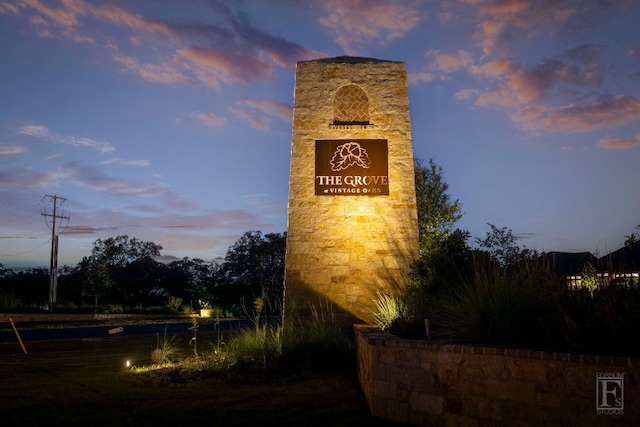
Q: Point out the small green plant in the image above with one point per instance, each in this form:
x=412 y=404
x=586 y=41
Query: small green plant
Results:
x=323 y=330
x=165 y=350
x=258 y=305
x=110 y=309
x=194 y=341
x=174 y=304
x=217 y=313
x=219 y=358
x=205 y=305
x=261 y=344
x=389 y=310
x=589 y=277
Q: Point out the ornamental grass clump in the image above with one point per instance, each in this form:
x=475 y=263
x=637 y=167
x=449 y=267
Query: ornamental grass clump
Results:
x=319 y=342
x=392 y=314
x=490 y=308
x=260 y=344
x=388 y=309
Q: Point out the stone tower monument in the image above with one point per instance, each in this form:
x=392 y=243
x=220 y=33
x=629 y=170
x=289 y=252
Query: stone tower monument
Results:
x=352 y=222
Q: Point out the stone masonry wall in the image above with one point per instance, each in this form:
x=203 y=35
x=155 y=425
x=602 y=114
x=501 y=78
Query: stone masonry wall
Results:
x=421 y=383
x=345 y=249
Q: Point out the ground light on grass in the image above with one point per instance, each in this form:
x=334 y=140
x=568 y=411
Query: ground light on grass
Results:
x=87 y=382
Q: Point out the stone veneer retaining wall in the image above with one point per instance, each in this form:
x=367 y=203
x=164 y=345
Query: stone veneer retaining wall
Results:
x=422 y=383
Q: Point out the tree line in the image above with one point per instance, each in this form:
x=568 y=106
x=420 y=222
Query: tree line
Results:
x=124 y=271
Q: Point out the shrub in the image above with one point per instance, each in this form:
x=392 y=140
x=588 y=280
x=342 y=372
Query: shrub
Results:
x=490 y=308
x=110 y=309
x=603 y=320
x=526 y=304
x=65 y=306
x=174 y=304
x=187 y=309
x=10 y=302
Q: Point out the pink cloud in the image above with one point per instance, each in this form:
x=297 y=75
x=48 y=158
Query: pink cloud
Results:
x=268 y=107
x=66 y=16
x=8 y=7
x=609 y=112
x=619 y=143
x=210 y=119
x=173 y=232
x=354 y=22
x=8 y=150
x=413 y=78
x=215 y=65
x=117 y=160
x=511 y=8
x=501 y=98
x=490 y=33
x=529 y=84
x=158 y=73
x=500 y=23
x=117 y=186
x=256 y=121
x=448 y=63
x=121 y=17
x=38 y=20
x=42 y=132
x=233 y=51
x=508 y=20
x=518 y=84
x=465 y=94
x=26 y=179
x=495 y=68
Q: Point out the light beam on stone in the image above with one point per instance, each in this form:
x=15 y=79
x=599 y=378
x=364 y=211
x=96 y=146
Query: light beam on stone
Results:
x=352 y=224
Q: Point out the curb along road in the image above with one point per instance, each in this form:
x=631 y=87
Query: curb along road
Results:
x=61 y=326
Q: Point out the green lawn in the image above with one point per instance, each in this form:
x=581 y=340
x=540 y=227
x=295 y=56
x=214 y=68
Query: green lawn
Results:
x=85 y=382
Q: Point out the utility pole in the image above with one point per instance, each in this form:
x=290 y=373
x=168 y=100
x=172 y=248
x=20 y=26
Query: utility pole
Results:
x=55 y=230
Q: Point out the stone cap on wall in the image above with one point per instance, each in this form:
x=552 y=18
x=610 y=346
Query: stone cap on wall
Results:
x=349 y=60
x=375 y=336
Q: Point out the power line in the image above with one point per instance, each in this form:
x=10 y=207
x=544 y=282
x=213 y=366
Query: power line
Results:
x=27 y=251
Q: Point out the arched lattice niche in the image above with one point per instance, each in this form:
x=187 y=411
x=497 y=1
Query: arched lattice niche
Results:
x=350 y=106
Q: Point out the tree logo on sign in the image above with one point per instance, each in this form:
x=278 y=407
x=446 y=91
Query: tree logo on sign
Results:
x=350 y=154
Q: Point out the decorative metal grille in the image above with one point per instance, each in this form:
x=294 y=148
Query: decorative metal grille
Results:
x=351 y=105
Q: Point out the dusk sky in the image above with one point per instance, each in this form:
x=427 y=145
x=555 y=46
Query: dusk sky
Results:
x=170 y=121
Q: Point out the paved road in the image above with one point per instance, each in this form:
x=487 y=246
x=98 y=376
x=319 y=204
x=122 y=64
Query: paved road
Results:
x=51 y=334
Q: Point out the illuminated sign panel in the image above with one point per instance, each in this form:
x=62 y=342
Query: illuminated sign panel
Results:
x=352 y=167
